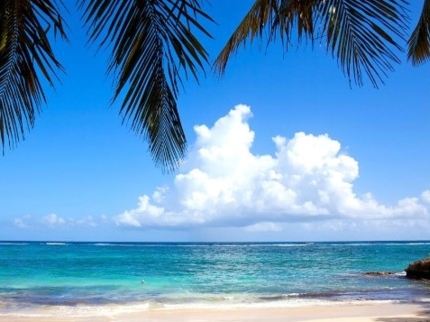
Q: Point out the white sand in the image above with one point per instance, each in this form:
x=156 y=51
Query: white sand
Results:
x=365 y=312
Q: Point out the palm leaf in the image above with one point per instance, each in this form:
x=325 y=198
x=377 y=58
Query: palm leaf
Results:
x=419 y=42
x=25 y=55
x=362 y=34
x=153 y=48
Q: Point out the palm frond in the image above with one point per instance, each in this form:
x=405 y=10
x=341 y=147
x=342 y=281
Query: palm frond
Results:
x=153 y=47
x=362 y=34
x=419 y=42
x=25 y=55
x=269 y=18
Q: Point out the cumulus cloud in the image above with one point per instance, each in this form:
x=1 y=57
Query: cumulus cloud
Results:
x=222 y=183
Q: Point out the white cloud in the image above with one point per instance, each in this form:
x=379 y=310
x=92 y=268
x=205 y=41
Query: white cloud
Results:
x=53 y=220
x=425 y=196
x=222 y=183
x=88 y=221
x=263 y=227
x=22 y=222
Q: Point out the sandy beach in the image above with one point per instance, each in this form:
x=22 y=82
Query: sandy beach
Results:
x=274 y=282
x=366 y=312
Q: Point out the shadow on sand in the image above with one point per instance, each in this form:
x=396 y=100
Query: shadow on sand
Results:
x=422 y=316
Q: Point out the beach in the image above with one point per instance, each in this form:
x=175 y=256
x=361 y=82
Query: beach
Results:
x=340 y=312
x=70 y=281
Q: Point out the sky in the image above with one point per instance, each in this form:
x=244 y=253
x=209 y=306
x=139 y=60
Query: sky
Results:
x=281 y=148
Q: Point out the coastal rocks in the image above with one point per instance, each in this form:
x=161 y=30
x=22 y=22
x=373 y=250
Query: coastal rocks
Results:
x=378 y=273
x=419 y=269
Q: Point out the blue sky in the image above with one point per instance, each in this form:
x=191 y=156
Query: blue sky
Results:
x=280 y=148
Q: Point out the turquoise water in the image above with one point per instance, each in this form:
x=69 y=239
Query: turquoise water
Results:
x=35 y=273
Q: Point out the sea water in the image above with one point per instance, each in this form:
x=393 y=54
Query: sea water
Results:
x=169 y=275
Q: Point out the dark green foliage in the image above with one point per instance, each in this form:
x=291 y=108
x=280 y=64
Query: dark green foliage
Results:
x=154 y=48
x=363 y=35
x=25 y=56
x=152 y=45
x=419 y=42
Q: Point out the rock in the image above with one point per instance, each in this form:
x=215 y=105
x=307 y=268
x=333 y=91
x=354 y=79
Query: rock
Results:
x=378 y=273
x=419 y=269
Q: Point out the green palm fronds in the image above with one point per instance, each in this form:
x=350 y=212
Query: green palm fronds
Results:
x=363 y=35
x=155 y=45
x=25 y=56
x=419 y=42
x=153 y=48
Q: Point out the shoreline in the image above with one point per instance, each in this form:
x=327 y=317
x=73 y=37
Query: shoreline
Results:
x=367 y=311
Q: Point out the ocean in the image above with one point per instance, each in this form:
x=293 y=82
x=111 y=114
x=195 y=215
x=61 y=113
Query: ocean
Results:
x=197 y=275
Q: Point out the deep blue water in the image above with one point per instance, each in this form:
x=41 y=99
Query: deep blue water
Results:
x=35 y=273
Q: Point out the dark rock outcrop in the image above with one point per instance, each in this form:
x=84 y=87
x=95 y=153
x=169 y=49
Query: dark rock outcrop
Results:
x=378 y=273
x=419 y=269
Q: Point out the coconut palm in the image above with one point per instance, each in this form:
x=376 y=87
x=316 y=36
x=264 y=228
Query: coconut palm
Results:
x=154 y=47
x=362 y=35
x=25 y=56
x=419 y=41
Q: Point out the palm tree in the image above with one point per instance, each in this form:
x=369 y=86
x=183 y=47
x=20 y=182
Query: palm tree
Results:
x=362 y=35
x=154 y=48
x=25 y=54
x=419 y=41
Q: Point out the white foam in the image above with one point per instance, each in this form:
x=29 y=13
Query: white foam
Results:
x=82 y=311
x=280 y=245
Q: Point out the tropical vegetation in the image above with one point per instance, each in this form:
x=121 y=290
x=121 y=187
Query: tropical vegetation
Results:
x=156 y=45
